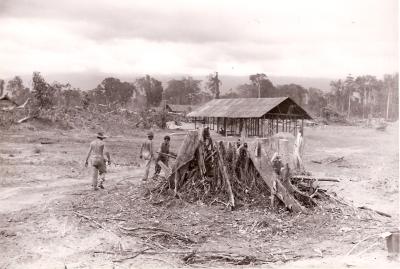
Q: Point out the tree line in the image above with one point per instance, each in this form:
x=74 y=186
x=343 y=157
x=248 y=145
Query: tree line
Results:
x=360 y=96
x=144 y=92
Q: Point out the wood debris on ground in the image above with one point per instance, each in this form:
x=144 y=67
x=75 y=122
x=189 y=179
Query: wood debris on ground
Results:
x=235 y=175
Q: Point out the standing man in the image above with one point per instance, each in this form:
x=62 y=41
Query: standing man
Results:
x=163 y=155
x=146 y=153
x=98 y=161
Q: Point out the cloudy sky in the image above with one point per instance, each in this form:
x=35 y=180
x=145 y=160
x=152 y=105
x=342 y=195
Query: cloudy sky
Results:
x=311 y=38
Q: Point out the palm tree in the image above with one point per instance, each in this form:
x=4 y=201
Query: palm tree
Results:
x=349 y=88
x=337 y=91
x=213 y=84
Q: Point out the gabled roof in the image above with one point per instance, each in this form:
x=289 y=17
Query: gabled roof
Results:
x=182 y=108
x=249 y=108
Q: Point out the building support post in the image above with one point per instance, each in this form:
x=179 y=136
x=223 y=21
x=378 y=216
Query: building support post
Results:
x=225 y=127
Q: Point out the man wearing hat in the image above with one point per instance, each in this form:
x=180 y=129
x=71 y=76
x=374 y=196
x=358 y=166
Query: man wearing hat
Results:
x=98 y=160
x=146 y=153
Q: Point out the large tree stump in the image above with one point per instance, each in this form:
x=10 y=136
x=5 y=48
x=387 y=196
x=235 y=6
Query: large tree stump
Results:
x=266 y=171
x=185 y=155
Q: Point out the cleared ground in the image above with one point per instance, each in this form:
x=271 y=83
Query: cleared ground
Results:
x=50 y=218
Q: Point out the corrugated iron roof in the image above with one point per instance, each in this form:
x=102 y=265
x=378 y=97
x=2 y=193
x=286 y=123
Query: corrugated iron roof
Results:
x=240 y=107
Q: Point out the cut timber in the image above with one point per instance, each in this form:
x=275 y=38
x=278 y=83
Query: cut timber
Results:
x=224 y=174
x=376 y=211
x=319 y=162
x=304 y=177
x=165 y=168
x=336 y=160
x=264 y=168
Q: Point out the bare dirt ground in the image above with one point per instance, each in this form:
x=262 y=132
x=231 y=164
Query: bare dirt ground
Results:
x=50 y=218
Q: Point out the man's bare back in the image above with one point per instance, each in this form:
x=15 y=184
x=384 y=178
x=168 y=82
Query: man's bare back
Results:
x=97 y=148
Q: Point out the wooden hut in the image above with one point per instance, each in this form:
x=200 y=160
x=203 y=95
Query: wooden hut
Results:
x=260 y=117
x=180 y=109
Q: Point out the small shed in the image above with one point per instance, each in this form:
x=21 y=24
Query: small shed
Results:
x=255 y=116
x=180 y=109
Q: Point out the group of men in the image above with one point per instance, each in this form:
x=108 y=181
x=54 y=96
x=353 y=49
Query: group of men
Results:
x=147 y=153
x=98 y=161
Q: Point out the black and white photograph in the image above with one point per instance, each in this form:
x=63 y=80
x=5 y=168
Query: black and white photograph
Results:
x=199 y=134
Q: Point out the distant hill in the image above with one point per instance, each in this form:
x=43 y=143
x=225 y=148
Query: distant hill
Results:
x=90 y=80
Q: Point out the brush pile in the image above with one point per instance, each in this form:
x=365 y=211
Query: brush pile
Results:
x=235 y=175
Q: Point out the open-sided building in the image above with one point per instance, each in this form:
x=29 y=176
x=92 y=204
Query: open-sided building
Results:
x=255 y=116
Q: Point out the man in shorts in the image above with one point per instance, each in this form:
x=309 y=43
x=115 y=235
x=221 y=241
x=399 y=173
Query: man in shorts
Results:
x=146 y=153
x=98 y=161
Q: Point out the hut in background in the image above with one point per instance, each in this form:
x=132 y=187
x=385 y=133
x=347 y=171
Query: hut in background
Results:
x=261 y=117
x=180 y=109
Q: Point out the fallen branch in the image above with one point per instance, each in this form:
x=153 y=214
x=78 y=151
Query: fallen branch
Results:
x=304 y=177
x=314 y=193
x=181 y=237
x=128 y=229
x=89 y=218
x=237 y=259
x=376 y=211
x=319 y=162
x=104 y=252
x=133 y=256
x=24 y=119
x=24 y=104
x=117 y=219
x=336 y=160
x=218 y=201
